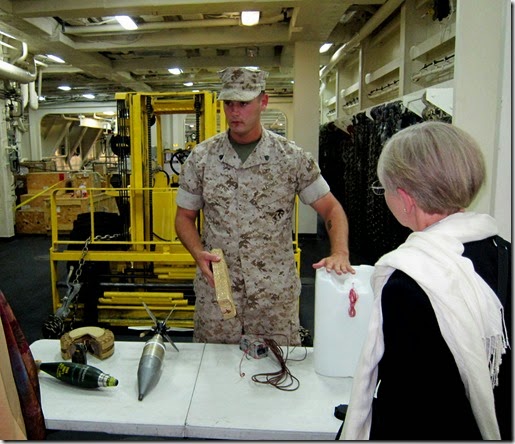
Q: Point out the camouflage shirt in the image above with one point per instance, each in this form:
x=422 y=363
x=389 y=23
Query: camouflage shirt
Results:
x=248 y=211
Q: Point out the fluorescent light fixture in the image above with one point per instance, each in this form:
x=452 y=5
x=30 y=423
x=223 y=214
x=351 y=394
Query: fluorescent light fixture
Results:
x=249 y=18
x=325 y=47
x=64 y=88
x=188 y=83
x=88 y=96
x=126 y=22
x=55 y=58
x=175 y=71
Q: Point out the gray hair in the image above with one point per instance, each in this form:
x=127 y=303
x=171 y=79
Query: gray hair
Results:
x=438 y=164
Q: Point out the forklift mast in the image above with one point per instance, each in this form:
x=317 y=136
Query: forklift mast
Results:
x=136 y=114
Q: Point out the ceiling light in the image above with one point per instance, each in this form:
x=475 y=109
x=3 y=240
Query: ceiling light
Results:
x=55 y=58
x=64 y=88
x=88 y=96
x=175 y=71
x=250 y=18
x=325 y=47
x=188 y=83
x=126 y=22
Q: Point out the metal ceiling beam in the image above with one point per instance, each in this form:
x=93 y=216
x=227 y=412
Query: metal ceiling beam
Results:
x=163 y=26
x=161 y=63
x=97 y=8
x=190 y=38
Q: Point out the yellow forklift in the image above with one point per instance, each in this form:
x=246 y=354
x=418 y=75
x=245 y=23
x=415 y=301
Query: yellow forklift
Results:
x=113 y=261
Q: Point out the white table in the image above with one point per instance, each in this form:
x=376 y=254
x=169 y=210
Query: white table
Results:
x=162 y=412
x=200 y=394
x=228 y=406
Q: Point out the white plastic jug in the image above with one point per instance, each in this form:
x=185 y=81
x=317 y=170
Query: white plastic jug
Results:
x=341 y=324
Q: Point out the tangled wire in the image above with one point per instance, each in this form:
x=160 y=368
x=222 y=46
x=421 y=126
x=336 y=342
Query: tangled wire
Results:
x=281 y=379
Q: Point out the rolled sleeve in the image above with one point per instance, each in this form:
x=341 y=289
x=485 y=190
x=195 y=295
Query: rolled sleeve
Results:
x=189 y=200
x=319 y=188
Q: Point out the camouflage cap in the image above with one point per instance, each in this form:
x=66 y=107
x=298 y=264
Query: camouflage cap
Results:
x=241 y=84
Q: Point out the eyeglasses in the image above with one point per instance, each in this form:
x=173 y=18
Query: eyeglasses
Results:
x=377 y=188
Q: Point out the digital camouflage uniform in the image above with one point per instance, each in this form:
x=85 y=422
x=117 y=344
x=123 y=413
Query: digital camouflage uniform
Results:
x=248 y=214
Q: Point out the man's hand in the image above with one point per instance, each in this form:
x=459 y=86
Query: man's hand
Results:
x=337 y=228
x=204 y=260
x=338 y=262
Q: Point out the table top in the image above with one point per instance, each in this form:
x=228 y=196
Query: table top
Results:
x=162 y=412
x=228 y=406
x=200 y=394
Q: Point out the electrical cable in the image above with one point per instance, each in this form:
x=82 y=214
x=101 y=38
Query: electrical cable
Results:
x=281 y=379
x=178 y=158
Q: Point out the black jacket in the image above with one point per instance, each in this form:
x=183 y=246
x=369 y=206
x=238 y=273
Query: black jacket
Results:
x=421 y=395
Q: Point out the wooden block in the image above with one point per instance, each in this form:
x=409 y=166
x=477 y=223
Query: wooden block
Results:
x=223 y=286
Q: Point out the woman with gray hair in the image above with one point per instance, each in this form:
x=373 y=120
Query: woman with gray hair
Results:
x=430 y=367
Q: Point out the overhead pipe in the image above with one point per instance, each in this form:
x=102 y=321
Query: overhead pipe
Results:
x=33 y=96
x=379 y=17
x=40 y=82
x=24 y=88
x=42 y=66
x=24 y=53
x=11 y=72
x=208 y=23
x=70 y=118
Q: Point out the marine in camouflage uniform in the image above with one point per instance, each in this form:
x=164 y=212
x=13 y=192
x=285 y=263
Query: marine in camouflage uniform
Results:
x=245 y=181
x=248 y=212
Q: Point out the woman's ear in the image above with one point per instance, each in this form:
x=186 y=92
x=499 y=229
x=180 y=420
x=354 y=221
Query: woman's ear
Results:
x=407 y=200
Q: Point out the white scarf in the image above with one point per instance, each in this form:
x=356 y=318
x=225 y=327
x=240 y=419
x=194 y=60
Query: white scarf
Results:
x=468 y=312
